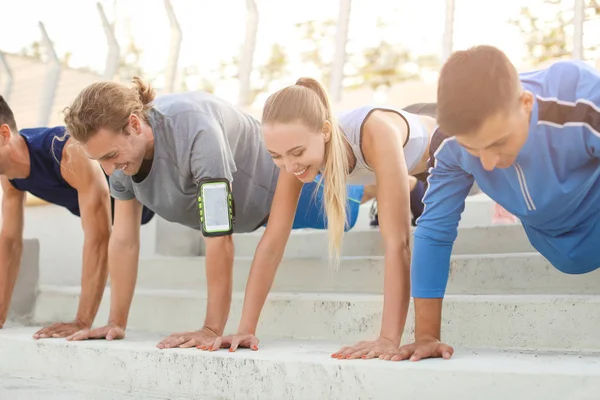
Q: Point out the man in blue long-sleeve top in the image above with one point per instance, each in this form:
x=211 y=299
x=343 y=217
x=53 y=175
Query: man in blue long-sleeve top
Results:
x=531 y=142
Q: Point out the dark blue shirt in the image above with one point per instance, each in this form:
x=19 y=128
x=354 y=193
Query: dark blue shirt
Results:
x=45 y=180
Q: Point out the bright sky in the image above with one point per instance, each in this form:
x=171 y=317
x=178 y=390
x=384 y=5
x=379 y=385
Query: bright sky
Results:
x=214 y=30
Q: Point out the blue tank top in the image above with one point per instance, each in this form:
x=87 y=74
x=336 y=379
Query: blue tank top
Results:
x=45 y=180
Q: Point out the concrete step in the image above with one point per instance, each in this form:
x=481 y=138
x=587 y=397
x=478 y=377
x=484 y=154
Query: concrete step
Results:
x=24 y=295
x=177 y=240
x=313 y=243
x=475 y=274
x=556 y=322
x=62 y=388
x=296 y=370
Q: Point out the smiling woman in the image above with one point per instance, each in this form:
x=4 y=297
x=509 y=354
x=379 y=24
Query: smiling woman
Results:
x=293 y=116
x=375 y=146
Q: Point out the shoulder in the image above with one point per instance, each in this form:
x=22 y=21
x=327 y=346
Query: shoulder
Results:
x=566 y=80
x=43 y=136
x=189 y=114
x=199 y=105
x=450 y=152
x=383 y=122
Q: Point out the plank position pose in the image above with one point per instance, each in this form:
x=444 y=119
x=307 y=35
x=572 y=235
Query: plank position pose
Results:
x=368 y=145
x=531 y=141
x=166 y=153
x=42 y=162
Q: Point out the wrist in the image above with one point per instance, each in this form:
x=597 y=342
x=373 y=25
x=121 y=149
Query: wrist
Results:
x=83 y=322
x=426 y=337
x=116 y=323
x=243 y=330
x=395 y=339
x=212 y=329
x=247 y=327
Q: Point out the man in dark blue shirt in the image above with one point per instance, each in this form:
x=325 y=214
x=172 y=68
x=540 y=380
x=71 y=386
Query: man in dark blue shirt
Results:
x=43 y=162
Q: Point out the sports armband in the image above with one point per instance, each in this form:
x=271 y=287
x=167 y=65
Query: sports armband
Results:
x=216 y=207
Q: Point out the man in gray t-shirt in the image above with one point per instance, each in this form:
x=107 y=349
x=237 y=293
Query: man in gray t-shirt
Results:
x=156 y=151
x=197 y=135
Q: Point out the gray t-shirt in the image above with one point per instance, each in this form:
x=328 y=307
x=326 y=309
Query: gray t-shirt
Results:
x=197 y=135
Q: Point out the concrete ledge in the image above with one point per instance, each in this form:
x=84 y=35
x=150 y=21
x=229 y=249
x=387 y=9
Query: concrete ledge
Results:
x=24 y=296
x=296 y=370
x=178 y=240
x=27 y=388
x=534 y=322
x=528 y=273
x=309 y=243
x=368 y=242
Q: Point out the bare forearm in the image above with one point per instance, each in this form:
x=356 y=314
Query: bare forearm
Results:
x=93 y=279
x=123 y=268
x=396 y=293
x=219 y=274
x=428 y=319
x=262 y=274
x=10 y=260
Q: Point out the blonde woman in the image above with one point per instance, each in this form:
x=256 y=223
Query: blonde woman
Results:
x=367 y=146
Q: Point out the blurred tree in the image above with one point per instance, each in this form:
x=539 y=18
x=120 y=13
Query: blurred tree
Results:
x=273 y=70
x=229 y=69
x=385 y=65
x=33 y=50
x=129 y=64
x=318 y=42
x=192 y=79
x=379 y=66
x=37 y=51
x=547 y=29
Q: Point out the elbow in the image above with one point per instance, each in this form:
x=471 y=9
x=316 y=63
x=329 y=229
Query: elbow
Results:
x=399 y=251
x=272 y=246
x=400 y=246
x=12 y=243
x=119 y=243
x=220 y=244
x=98 y=236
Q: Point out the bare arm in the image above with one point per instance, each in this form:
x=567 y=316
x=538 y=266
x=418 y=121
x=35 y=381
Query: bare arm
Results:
x=11 y=243
x=270 y=250
x=219 y=275
x=87 y=177
x=383 y=139
x=123 y=253
x=123 y=258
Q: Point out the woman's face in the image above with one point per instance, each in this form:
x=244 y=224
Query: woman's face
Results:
x=296 y=148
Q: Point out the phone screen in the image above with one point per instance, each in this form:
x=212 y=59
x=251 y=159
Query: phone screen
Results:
x=216 y=207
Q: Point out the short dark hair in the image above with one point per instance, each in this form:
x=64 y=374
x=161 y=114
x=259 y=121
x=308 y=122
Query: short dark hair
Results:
x=6 y=115
x=475 y=84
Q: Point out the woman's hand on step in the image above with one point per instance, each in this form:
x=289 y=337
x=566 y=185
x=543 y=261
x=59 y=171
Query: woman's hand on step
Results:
x=247 y=340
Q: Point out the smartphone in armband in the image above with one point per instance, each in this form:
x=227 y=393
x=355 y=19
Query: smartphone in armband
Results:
x=216 y=207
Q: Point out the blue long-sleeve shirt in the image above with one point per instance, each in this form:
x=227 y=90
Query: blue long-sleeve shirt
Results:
x=553 y=187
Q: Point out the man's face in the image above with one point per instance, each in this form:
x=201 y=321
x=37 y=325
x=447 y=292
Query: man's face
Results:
x=118 y=150
x=499 y=140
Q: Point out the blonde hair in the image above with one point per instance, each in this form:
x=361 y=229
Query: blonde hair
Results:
x=107 y=105
x=306 y=102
